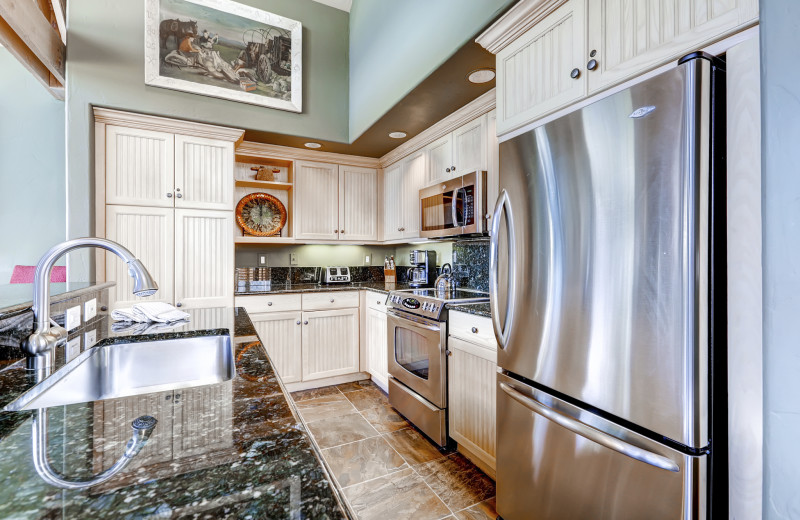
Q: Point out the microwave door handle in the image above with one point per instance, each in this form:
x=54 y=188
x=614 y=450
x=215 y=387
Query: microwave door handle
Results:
x=588 y=432
x=453 y=208
x=503 y=331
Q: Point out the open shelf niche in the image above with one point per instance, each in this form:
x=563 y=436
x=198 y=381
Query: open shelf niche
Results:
x=280 y=188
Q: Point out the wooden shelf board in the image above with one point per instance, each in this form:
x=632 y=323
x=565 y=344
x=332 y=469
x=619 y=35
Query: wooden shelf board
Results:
x=265 y=185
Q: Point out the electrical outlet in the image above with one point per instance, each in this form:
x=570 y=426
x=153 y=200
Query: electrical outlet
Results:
x=262 y=260
x=292 y=258
x=73 y=319
x=368 y=260
x=90 y=338
x=90 y=309
x=73 y=348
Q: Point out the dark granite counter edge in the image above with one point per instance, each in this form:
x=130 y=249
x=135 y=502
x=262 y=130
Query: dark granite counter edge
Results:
x=477 y=309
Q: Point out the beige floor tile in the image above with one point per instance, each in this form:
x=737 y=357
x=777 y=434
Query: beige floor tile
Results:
x=368 y=398
x=486 y=510
x=458 y=482
x=397 y=496
x=335 y=431
x=305 y=395
x=363 y=460
x=385 y=419
x=324 y=407
x=358 y=385
x=413 y=446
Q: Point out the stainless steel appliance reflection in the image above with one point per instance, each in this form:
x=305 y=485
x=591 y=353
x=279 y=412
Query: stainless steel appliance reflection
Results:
x=604 y=407
x=454 y=207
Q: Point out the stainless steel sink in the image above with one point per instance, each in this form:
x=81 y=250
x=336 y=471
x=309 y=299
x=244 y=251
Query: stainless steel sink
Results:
x=125 y=369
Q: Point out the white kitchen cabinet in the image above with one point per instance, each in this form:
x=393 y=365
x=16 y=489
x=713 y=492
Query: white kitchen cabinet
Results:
x=472 y=393
x=149 y=232
x=358 y=203
x=377 y=346
x=281 y=334
x=316 y=201
x=204 y=258
x=413 y=180
x=140 y=167
x=544 y=69
x=203 y=173
x=630 y=38
x=492 y=164
x=393 y=201
x=330 y=343
x=469 y=147
x=440 y=159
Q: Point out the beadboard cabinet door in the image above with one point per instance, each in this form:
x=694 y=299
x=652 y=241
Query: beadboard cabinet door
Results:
x=148 y=232
x=203 y=173
x=140 y=167
x=393 y=201
x=544 y=69
x=316 y=201
x=330 y=343
x=492 y=165
x=358 y=203
x=631 y=37
x=377 y=347
x=281 y=334
x=469 y=147
x=414 y=167
x=440 y=160
x=203 y=258
x=472 y=398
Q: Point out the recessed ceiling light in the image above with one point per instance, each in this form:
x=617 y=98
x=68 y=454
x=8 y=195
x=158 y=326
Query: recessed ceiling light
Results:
x=397 y=135
x=481 y=76
x=313 y=145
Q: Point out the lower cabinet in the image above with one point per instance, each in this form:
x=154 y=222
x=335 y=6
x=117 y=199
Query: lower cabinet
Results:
x=330 y=343
x=472 y=372
x=377 y=347
x=281 y=334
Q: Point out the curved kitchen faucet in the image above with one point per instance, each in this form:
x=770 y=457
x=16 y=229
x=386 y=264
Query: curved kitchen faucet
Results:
x=142 y=428
x=46 y=335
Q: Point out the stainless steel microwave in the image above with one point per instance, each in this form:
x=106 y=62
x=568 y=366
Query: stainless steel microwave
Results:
x=454 y=207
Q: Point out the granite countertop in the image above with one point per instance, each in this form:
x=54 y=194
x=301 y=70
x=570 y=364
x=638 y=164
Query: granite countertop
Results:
x=285 y=288
x=236 y=449
x=478 y=309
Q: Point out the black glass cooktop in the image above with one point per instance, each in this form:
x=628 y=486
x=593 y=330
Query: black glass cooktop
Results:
x=459 y=294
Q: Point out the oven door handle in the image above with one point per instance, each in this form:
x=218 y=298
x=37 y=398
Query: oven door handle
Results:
x=415 y=323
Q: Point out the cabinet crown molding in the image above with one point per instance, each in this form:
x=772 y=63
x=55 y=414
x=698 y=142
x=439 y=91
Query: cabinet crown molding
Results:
x=274 y=151
x=163 y=124
x=515 y=23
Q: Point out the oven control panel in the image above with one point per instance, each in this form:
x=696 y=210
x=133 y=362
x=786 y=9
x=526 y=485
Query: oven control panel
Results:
x=416 y=305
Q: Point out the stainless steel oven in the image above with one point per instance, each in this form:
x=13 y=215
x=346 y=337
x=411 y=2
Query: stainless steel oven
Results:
x=454 y=207
x=418 y=370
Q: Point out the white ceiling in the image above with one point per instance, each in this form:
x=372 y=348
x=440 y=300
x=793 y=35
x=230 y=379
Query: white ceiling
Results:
x=344 y=5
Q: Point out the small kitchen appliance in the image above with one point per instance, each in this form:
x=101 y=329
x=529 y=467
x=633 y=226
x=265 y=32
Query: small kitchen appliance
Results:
x=335 y=275
x=454 y=207
x=423 y=270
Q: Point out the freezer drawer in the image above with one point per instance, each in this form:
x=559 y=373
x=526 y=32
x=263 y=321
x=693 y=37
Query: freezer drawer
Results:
x=556 y=461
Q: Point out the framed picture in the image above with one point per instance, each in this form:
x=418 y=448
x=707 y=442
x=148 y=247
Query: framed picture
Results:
x=224 y=49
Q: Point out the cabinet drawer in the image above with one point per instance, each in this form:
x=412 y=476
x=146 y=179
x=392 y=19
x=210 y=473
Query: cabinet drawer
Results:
x=329 y=300
x=476 y=329
x=269 y=303
x=376 y=300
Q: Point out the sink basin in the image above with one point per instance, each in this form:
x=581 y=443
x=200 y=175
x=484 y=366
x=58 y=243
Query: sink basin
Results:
x=125 y=369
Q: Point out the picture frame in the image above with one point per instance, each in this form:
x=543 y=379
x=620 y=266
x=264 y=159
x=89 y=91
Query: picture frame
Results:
x=224 y=49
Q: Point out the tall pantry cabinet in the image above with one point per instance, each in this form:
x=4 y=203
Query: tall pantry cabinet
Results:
x=164 y=190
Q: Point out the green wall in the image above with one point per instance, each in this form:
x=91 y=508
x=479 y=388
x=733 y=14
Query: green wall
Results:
x=322 y=255
x=105 y=67
x=394 y=45
x=32 y=179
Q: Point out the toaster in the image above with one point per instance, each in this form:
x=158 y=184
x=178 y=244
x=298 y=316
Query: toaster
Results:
x=335 y=275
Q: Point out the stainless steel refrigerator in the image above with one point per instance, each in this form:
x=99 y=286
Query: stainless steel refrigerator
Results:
x=607 y=292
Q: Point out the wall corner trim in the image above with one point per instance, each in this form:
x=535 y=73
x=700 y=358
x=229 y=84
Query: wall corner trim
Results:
x=162 y=124
x=515 y=23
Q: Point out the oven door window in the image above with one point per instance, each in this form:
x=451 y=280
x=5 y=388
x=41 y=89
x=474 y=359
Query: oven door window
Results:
x=412 y=351
x=437 y=212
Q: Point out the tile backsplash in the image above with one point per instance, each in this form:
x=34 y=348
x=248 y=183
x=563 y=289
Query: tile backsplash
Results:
x=471 y=263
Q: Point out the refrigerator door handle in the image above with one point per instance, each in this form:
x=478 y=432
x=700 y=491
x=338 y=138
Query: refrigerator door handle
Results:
x=502 y=331
x=593 y=434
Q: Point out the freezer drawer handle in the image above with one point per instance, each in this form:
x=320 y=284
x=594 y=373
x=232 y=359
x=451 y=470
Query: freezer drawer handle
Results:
x=502 y=331
x=593 y=434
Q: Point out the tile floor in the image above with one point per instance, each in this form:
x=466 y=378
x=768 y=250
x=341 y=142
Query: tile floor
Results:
x=389 y=470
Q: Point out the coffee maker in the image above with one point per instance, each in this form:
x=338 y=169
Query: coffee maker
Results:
x=423 y=268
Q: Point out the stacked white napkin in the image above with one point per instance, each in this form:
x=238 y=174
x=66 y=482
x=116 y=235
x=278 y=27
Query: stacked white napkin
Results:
x=146 y=312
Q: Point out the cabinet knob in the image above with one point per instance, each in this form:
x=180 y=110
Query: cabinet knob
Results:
x=179 y=304
x=592 y=65
x=593 y=53
x=331 y=300
x=488 y=216
x=336 y=231
x=575 y=73
x=305 y=322
x=453 y=168
x=269 y=304
x=169 y=195
x=179 y=196
x=341 y=231
x=177 y=189
x=447 y=170
x=474 y=330
x=449 y=353
x=298 y=322
x=378 y=302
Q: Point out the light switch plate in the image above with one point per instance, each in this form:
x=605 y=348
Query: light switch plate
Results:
x=367 y=259
x=292 y=258
x=73 y=348
x=90 y=309
x=90 y=338
x=262 y=260
x=73 y=319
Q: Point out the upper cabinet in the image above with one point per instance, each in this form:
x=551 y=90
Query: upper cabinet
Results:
x=440 y=159
x=553 y=53
x=462 y=151
x=335 y=202
x=203 y=173
x=393 y=201
x=401 y=184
